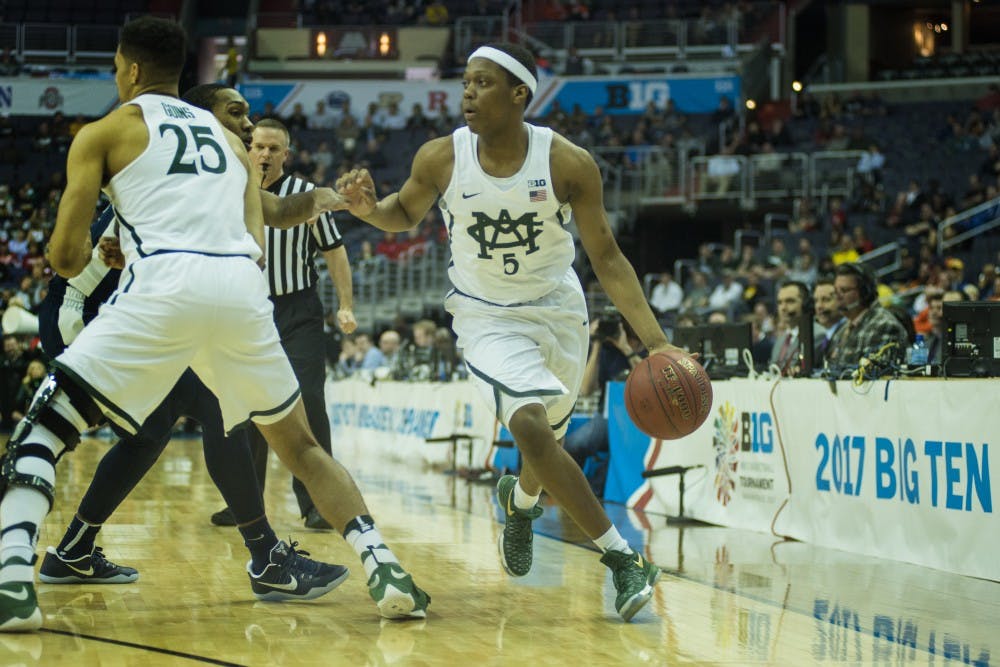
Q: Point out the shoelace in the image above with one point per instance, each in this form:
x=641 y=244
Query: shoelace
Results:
x=99 y=562
x=298 y=558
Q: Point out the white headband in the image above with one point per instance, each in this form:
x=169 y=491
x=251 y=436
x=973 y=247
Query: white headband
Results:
x=508 y=63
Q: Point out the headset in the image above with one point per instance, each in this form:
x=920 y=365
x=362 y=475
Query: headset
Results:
x=865 y=279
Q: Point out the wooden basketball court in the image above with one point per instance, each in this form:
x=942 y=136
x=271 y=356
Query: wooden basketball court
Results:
x=728 y=597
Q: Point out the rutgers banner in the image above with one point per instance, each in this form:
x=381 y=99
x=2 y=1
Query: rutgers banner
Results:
x=906 y=473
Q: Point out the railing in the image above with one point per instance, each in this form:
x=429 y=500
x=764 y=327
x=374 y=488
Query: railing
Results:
x=382 y=288
x=779 y=175
x=831 y=173
x=718 y=177
x=472 y=31
x=890 y=253
x=55 y=40
x=968 y=224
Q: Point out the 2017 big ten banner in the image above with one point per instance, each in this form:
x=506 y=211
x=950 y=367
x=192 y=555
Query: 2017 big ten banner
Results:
x=358 y=94
x=631 y=95
x=904 y=474
x=738 y=478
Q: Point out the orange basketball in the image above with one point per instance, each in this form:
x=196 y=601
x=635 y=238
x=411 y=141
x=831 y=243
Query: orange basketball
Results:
x=668 y=395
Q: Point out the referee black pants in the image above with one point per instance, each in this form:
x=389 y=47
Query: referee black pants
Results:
x=299 y=318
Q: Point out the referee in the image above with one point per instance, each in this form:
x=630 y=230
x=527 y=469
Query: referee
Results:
x=298 y=312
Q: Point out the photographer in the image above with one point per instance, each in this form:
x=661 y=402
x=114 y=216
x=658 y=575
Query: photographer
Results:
x=613 y=354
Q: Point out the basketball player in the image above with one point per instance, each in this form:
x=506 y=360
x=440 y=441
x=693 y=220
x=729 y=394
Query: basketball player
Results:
x=506 y=192
x=67 y=307
x=298 y=312
x=192 y=295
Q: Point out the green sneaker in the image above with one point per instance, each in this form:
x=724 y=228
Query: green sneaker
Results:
x=19 y=610
x=395 y=593
x=515 y=541
x=634 y=578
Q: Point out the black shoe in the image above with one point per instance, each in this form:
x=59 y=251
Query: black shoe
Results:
x=317 y=522
x=93 y=568
x=223 y=517
x=292 y=576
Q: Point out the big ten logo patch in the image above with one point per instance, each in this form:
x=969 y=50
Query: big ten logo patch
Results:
x=757 y=432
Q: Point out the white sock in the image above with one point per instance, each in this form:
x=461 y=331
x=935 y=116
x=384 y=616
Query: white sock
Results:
x=521 y=498
x=368 y=544
x=612 y=541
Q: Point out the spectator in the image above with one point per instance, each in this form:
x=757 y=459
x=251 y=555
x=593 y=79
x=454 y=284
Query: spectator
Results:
x=575 y=64
x=348 y=133
x=32 y=380
x=390 y=246
x=726 y=294
x=667 y=295
x=297 y=120
x=13 y=368
x=720 y=172
x=844 y=252
x=419 y=357
x=322 y=118
x=385 y=355
x=870 y=165
x=862 y=243
x=435 y=14
x=786 y=353
x=417 y=120
x=935 y=334
x=869 y=327
x=390 y=117
x=828 y=317
x=698 y=293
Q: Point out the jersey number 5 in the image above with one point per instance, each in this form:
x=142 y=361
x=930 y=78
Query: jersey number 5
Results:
x=203 y=137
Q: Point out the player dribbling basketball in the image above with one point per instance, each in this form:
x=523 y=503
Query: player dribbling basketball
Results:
x=506 y=191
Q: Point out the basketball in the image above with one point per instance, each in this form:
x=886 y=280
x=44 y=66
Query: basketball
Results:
x=668 y=395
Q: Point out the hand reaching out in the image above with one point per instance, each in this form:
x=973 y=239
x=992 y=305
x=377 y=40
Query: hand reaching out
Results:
x=358 y=188
x=328 y=199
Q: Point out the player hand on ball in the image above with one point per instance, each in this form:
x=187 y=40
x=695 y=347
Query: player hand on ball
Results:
x=667 y=347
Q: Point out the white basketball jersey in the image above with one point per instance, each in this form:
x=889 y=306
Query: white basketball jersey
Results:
x=509 y=238
x=184 y=193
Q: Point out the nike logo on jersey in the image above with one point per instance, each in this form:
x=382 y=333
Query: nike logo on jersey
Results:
x=466 y=195
x=290 y=586
x=20 y=596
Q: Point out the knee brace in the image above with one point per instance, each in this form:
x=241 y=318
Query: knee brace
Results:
x=63 y=409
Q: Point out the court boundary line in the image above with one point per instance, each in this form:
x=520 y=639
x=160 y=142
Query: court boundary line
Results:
x=144 y=647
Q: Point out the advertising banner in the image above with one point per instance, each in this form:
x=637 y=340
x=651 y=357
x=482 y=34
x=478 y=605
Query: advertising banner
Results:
x=615 y=95
x=43 y=97
x=630 y=95
x=903 y=473
x=739 y=479
x=394 y=419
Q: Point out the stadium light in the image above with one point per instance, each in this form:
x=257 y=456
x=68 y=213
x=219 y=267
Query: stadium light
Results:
x=751 y=105
x=384 y=44
x=321 y=44
x=797 y=86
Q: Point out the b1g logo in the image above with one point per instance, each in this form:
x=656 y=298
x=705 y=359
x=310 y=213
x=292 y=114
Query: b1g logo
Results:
x=637 y=94
x=536 y=183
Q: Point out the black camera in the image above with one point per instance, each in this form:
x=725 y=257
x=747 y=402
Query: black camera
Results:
x=609 y=325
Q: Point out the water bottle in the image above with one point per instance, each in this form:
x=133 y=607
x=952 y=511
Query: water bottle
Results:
x=918 y=355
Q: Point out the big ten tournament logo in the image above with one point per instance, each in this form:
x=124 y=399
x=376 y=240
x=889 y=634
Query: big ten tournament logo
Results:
x=635 y=95
x=950 y=473
x=50 y=99
x=739 y=439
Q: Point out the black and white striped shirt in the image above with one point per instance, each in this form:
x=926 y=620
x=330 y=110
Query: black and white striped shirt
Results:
x=291 y=253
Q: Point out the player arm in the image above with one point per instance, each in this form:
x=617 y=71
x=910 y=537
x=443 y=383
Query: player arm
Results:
x=610 y=266
x=292 y=210
x=253 y=213
x=405 y=209
x=69 y=249
x=339 y=267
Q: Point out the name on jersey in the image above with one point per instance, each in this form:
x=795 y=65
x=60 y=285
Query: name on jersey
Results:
x=175 y=111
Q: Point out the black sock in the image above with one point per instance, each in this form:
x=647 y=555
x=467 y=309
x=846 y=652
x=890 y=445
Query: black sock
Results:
x=259 y=539
x=78 y=540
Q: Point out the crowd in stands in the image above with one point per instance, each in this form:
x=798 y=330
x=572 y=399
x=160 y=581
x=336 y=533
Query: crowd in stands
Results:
x=903 y=199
